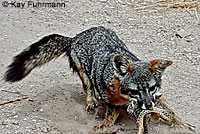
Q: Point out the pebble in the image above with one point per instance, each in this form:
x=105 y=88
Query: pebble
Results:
x=44 y=129
x=38 y=35
x=182 y=33
x=76 y=118
x=15 y=122
x=41 y=110
x=16 y=116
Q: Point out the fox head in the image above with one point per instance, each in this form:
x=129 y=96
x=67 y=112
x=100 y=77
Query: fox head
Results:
x=139 y=79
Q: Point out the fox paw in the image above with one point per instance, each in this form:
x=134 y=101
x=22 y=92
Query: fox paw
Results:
x=101 y=126
x=104 y=124
x=91 y=104
x=105 y=130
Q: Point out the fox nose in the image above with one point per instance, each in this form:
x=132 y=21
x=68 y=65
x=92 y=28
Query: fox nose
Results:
x=148 y=105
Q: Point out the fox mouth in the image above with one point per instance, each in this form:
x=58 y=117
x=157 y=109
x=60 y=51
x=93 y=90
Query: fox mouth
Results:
x=134 y=107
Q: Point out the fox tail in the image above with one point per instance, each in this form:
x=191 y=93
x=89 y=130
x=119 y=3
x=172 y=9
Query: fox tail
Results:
x=39 y=53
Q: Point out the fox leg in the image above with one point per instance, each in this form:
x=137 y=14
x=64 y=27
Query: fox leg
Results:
x=91 y=101
x=163 y=102
x=110 y=117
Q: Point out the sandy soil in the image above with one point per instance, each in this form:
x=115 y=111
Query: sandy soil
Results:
x=56 y=104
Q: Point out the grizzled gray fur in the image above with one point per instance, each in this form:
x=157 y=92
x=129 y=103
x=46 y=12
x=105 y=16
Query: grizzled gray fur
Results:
x=103 y=63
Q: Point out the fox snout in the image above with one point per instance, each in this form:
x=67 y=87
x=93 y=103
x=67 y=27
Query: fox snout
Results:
x=148 y=105
x=146 y=100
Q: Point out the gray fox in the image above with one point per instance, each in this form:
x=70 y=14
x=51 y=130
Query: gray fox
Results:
x=104 y=65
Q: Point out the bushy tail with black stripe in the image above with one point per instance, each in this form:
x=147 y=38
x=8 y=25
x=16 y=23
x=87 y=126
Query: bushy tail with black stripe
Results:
x=37 y=54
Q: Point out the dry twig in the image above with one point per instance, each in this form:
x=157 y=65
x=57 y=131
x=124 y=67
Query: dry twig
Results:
x=12 y=101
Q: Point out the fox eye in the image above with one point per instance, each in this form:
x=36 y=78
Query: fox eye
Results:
x=152 y=88
x=134 y=92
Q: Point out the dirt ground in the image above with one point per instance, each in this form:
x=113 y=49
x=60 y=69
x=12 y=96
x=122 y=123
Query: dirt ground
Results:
x=56 y=105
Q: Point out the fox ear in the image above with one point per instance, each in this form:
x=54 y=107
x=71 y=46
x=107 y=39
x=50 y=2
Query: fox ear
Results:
x=158 y=66
x=122 y=65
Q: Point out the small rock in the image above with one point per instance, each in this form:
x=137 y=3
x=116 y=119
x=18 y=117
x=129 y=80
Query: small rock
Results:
x=15 y=122
x=38 y=35
x=183 y=33
x=86 y=20
x=44 y=129
x=41 y=110
x=76 y=118
x=16 y=116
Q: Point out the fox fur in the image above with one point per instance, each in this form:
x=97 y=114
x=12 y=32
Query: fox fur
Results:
x=104 y=65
